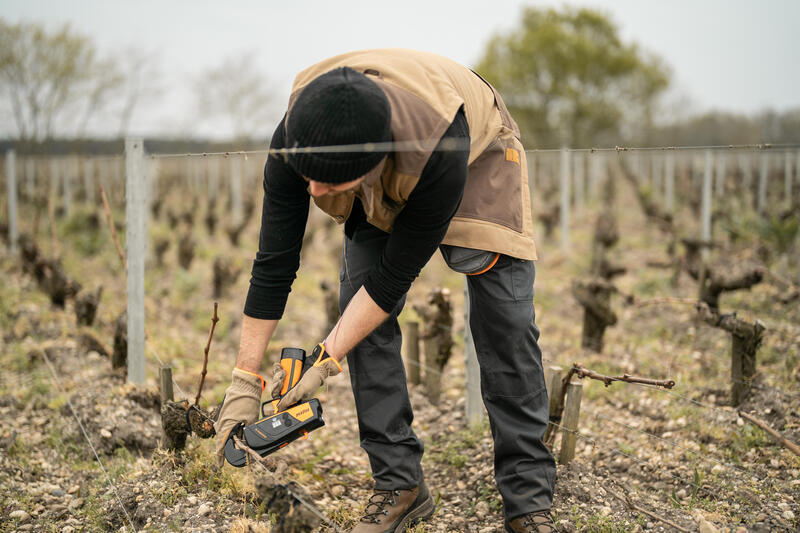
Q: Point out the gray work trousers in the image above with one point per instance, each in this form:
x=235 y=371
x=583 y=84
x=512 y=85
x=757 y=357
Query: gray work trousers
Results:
x=512 y=381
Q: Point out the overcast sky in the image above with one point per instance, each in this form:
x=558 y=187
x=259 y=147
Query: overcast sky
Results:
x=733 y=55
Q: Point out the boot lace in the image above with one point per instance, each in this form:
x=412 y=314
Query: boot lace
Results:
x=539 y=522
x=376 y=506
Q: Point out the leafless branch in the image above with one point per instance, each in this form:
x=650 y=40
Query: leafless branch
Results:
x=214 y=321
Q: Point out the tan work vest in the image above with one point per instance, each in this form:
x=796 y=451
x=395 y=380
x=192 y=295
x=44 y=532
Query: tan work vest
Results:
x=425 y=91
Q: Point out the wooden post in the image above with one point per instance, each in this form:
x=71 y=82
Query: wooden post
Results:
x=554 y=395
x=705 y=216
x=135 y=213
x=11 y=190
x=236 y=189
x=411 y=343
x=762 y=182
x=572 y=411
x=565 y=198
x=474 y=402
x=669 y=183
x=165 y=384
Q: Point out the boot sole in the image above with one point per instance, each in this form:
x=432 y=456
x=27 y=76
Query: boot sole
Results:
x=423 y=512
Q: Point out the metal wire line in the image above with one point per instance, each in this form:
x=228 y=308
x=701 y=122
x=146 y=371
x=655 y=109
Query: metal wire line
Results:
x=446 y=145
x=86 y=436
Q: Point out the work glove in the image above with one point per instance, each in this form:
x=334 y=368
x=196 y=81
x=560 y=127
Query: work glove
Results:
x=324 y=367
x=241 y=404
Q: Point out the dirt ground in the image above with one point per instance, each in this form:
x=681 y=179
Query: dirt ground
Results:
x=647 y=459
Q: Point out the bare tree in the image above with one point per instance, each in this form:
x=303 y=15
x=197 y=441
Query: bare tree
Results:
x=141 y=83
x=52 y=80
x=236 y=92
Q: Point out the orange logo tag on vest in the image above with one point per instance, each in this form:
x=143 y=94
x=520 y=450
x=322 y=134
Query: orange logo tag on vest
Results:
x=512 y=155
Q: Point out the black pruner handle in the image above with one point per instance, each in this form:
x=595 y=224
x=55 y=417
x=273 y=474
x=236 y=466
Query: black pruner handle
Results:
x=234 y=455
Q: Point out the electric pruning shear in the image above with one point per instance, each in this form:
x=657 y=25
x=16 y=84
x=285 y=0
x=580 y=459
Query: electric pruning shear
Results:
x=274 y=431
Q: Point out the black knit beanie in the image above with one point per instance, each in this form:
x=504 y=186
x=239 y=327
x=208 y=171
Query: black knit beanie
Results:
x=340 y=107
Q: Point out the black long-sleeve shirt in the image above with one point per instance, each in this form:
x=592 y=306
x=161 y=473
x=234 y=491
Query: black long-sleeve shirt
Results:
x=418 y=229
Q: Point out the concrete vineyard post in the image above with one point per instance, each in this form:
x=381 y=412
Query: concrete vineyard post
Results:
x=532 y=160
x=565 y=197
x=88 y=180
x=66 y=176
x=762 y=182
x=411 y=344
x=787 y=178
x=706 y=204
x=212 y=168
x=719 y=181
x=669 y=183
x=554 y=395
x=30 y=178
x=572 y=411
x=54 y=179
x=11 y=190
x=578 y=178
x=236 y=189
x=135 y=213
x=474 y=403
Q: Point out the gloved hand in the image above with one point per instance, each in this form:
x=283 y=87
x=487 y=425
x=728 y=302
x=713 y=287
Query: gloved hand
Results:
x=241 y=404
x=324 y=367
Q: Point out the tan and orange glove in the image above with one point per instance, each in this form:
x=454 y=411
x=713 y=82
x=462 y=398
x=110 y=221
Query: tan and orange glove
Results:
x=325 y=367
x=241 y=404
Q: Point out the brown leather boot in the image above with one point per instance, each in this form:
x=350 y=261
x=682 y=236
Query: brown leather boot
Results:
x=538 y=522
x=391 y=511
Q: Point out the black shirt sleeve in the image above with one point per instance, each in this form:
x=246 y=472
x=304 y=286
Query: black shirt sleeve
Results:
x=422 y=224
x=283 y=222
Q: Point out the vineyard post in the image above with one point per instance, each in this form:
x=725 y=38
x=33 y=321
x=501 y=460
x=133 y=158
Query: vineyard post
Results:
x=474 y=403
x=236 y=189
x=54 y=179
x=746 y=163
x=578 y=178
x=66 y=176
x=411 y=343
x=554 y=396
x=706 y=205
x=212 y=169
x=30 y=178
x=762 y=182
x=787 y=178
x=165 y=384
x=135 y=213
x=669 y=183
x=88 y=180
x=565 y=196
x=657 y=166
x=719 y=182
x=11 y=190
x=572 y=411
x=532 y=159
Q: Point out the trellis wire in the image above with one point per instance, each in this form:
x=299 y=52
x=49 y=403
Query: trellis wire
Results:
x=88 y=440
